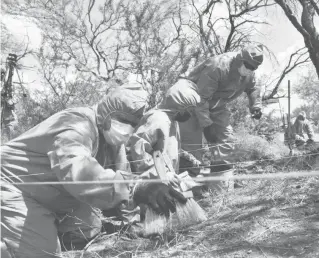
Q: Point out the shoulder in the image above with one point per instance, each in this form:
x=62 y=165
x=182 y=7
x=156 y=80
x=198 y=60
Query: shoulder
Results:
x=81 y=119
x=157 y=117
x=221 y=63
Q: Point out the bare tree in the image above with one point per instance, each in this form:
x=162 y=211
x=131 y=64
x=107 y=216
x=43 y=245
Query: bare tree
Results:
x=224 y=34
x=306 y=26
x=10 y=44
x=157 y=43
x=103 y=40
x=296 y=59
x=81 y=33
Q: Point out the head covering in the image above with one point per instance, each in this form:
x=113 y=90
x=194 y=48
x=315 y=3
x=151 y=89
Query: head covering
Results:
x=181 y=95
x=302 y=114
x=125 y=103
x=253 y=55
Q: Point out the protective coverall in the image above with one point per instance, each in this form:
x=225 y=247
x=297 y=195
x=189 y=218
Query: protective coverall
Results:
x=301 y=127
x=159 y=129
x=219 y=81
x=67 y=147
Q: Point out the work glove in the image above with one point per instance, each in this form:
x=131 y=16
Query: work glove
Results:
x=160 y=143
x=310 y=141
x=256 y=113
x=173 y=179
x=159 y=197
x=209 y=136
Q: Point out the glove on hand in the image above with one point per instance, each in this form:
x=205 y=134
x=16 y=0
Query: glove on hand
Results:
x=256 y=113
x=159 y=145
x=173 y=179
x=310 y=141
x=159 y=197
x=209 y=136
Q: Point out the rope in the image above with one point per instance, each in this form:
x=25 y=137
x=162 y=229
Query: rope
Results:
x=235 y=163
x=281 y=175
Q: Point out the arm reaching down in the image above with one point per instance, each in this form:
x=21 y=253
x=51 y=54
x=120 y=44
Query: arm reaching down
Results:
x=72 y=161
x=151 y=135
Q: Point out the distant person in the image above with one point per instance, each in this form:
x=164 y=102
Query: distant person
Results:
x=301 y=127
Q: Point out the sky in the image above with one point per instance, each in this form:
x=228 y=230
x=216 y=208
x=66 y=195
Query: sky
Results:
x=280 y=37
x=283 y=39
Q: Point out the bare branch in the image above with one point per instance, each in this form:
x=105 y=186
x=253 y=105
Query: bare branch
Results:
x=210 y=6
x=301 y=59
x=315 y=6
x=292 y=18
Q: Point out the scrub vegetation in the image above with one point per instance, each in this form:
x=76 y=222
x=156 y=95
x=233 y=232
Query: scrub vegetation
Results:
x=262 y=218
x=90 y=46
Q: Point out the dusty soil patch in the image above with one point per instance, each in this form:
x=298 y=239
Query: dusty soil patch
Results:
x=263 y=219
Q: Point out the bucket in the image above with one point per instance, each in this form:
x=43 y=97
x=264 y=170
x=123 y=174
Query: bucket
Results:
x=220 y=185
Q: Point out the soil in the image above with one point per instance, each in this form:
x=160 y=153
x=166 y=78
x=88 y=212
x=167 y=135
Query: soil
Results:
x=260 y=219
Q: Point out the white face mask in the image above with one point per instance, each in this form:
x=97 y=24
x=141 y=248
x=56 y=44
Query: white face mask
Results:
x=243 y=71
x=118 y=134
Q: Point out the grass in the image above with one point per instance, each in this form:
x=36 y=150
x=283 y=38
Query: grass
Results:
x=264 y=218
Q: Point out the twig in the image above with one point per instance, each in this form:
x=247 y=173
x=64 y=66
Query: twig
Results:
x=262 y=251
x=93 y=240
x=256 y=236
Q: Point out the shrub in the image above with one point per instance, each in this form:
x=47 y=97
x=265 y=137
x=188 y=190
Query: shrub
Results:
x=253 y=147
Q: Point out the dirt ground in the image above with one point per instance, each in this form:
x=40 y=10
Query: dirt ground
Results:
x=262 y=219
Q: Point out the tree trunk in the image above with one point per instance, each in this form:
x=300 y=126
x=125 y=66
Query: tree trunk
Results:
x=312 y=42
x=306 y=28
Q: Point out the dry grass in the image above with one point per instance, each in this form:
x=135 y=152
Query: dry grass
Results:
x=264 y=218
x=253 y=147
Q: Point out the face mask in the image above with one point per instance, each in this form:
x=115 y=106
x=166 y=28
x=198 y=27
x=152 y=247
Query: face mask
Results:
x=118 y=134
x=243 y=71
x=182 y=117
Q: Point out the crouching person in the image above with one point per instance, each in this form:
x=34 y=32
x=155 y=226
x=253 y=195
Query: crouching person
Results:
x=44 y=172
x=159 y=130
x=301 y=127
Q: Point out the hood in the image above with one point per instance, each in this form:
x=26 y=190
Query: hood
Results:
x=125 y=103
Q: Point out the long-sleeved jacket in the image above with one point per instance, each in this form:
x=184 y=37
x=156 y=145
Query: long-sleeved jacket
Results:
x=159 y=127
x=155 y=126
x=219 y=82
x=301 y=127
x=68 y=147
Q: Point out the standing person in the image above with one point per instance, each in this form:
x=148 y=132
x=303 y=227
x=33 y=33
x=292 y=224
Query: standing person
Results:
x=301 y=127
x=221 y=79
x=58 y=156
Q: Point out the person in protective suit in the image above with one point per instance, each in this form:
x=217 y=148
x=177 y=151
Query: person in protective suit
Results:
x=159 y=130
x=301 y=127
x=221 y=79
x=56 y=158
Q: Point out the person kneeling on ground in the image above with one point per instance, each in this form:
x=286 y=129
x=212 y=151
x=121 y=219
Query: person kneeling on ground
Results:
x=159 y=130
x=301 y=126
x=44 y=174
